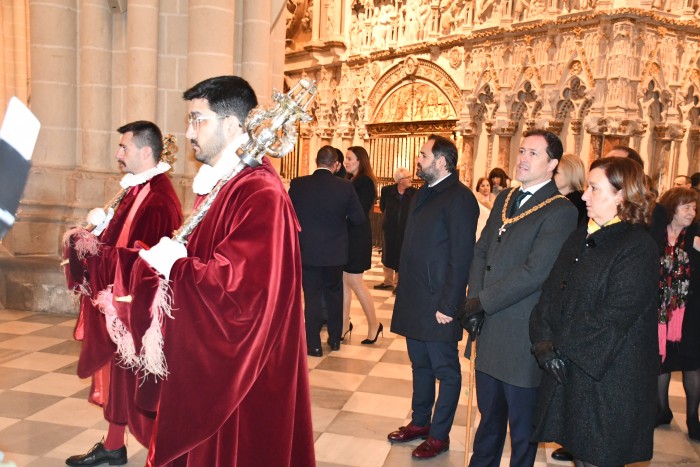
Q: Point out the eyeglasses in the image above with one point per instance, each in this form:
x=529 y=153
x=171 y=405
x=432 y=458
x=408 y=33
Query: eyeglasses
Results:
x=195 y=121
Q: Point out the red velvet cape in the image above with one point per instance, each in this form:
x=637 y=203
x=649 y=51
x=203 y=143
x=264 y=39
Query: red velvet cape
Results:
x=238 y=390
x=158 y=215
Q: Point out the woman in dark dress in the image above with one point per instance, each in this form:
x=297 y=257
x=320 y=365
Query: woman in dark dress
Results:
x=394 y=202
x=570 y=179
x=679 y=312
x=360 y=247
x=594 y=329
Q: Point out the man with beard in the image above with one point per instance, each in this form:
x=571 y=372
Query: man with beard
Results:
x=512 y=259
x=149 y=209
x=237 y=388
x=434 y=269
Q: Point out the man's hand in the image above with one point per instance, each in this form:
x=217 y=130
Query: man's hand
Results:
x=442 y=319
x=162 y=256
x=472 y=317
x=100 y=219
x=549 y=360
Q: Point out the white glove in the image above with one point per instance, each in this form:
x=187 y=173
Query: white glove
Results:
x=163 y=255
x=99 y=219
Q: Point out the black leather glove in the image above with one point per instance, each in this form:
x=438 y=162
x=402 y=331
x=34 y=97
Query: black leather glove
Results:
x=472 y=317
x=550 y=360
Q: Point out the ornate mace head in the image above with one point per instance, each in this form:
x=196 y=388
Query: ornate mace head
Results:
x=273 y=131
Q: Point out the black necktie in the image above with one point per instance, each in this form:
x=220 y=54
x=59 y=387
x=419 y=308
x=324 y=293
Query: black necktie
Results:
x=518 y=201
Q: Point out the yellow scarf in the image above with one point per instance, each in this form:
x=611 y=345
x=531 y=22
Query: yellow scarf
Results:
x=593 y=227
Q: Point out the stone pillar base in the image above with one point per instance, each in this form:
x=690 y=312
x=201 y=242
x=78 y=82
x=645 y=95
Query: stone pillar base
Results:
x=34 y=283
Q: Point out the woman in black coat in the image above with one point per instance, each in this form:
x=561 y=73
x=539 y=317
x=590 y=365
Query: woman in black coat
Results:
x=360 y=244
x=679 y=309
x=394 y=203
x=594 y=328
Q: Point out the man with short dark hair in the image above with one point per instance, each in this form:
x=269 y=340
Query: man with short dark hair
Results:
x=324 y=205
x=434 y=269
x=512 y=259
x=149 y=209
x=695 y=181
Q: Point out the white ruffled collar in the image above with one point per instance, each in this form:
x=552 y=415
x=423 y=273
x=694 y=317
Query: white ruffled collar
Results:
x=208 y=176
x=130 y=180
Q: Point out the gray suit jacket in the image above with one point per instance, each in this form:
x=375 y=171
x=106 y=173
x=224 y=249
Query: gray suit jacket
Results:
x=507 y=276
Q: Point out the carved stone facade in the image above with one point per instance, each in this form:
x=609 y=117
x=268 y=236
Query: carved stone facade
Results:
x=597 y=72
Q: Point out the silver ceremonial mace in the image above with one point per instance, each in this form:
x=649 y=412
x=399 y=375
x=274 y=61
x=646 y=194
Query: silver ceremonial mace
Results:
x=272 y=132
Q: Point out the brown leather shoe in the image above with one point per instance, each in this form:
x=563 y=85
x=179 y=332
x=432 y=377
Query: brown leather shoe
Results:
x=430 y=448
x=408 y=433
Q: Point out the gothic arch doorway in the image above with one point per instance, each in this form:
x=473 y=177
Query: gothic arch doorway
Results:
x=411 y=101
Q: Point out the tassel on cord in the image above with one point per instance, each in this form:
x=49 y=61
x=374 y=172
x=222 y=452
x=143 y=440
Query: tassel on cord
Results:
x=152 y=358
x=84 y=288
x=84 y=242
x=116 y=329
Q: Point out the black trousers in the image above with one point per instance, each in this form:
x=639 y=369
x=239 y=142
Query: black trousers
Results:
x=323 y=287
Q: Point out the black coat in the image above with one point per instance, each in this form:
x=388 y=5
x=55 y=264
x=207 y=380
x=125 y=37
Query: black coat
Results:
x=689 y=345
x=394 y=208
x=575 y=197
x=435 y=258
x=324 y=205
x=599 y=308
x=360 y=248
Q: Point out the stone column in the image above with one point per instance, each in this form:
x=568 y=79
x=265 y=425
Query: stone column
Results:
x=505 y=136
x=466 y=165
x=488 y=126
x=210 y=50
x=142 y=60
x=256 y=55
x=95 y=86
x=694 y=153
x=54 y=62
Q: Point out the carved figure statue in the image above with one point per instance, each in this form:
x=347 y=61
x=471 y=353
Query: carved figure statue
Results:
x=424 y=19
x=519 y=9
x=487 y=10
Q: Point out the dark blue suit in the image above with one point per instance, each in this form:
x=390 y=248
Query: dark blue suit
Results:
x=324 y=205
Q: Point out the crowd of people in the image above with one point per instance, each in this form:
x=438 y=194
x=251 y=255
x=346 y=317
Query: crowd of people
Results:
x=576 y=287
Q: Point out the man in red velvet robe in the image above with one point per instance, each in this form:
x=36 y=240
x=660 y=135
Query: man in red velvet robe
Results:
x=237 y=389
x=149 y=209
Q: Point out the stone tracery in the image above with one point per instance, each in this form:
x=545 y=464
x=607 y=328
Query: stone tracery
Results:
x=595 y=74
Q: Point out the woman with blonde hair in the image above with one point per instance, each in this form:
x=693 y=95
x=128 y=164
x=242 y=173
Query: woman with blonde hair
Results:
x=360 y=248
x=570 y=179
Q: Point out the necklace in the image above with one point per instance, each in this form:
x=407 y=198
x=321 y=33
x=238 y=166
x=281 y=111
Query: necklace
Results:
x=515 y=219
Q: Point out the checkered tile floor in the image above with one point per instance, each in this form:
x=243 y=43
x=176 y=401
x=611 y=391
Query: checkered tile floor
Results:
x=358 y=394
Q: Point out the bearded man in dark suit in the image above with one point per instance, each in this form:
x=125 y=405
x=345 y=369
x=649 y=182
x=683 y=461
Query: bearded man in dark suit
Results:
x=434 y=269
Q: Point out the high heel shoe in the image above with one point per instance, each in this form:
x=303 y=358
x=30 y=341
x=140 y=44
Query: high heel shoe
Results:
x=349 y=331
x=372 y=341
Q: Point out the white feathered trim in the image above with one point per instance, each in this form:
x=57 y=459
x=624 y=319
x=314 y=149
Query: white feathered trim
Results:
x=116 y=329
x=152 y=358
x=84 y=288
x=85 y=243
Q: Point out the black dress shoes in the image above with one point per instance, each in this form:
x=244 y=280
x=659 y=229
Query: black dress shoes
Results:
x=314 y=352
x=334 y=345
x=562 y=454
x=663 y=416
x=99 y=455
